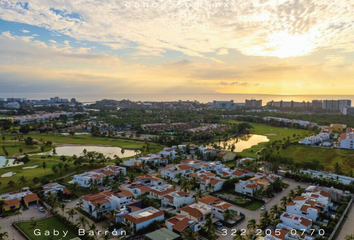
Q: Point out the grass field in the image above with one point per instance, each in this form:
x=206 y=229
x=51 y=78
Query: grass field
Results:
x=273 y=134
x=31 y=173
x=327 y=156
x=47 y=224
x=12 y=147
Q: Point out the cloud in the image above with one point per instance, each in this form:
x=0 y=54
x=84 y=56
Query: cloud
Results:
x=268 y=28
x=53 y=41
x=25 y=31
x=222 y=52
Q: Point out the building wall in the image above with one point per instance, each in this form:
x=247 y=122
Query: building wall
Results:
x=147 y=223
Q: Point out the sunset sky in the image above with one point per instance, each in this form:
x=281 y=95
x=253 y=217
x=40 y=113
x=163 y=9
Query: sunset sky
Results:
x=102 y=46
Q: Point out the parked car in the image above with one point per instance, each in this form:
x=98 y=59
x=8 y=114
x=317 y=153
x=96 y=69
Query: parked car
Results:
x=41 y=209
x=263 y=208
x=219 y=224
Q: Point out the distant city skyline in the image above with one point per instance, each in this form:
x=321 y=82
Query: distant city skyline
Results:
x=251 y=47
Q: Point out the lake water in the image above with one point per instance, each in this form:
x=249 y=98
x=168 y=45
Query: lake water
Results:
x=78 y=150
x=4 y=162
x=243 y=142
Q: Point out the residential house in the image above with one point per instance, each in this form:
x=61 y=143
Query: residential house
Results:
x=149 y=180
x=303 y=209
x=249 y=187
x=53 y=189
x=31 y=199
x=218 y=206
x=197 y=212
x=215 y=183
x=226 y=156
x=158 y=192
x=180 y=223
x=137 y=189
x=177 y=199
x=143 y=218
x=296 y=221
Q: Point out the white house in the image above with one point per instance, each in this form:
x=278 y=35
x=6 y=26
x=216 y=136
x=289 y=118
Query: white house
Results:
x=149 y=180
x=218 y=206
x=107 y=200
x=249 y=187
x=296 y=221
x=180 y=223
x=177 y=199
x=136 y=189
x=215 y=183
x=53 y=188
x=303 y=209
x=144 y=217
x=85 y=179
x=159 y=192
x=347 y=139
x=197 y=212
x=172 y=173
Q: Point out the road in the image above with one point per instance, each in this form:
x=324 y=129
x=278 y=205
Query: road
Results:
x=256 y=214
x=347 y=227
x=6 y=223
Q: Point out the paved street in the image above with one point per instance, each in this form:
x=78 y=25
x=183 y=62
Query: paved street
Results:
x=256 y=214
x=6 y=223
x=347 y=227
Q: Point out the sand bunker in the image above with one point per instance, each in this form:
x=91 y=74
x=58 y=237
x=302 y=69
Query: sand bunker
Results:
x=270 y=134
x=9 y=174
x=30 y=167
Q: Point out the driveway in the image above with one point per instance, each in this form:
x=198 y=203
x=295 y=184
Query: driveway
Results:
x=347 y=227
x=6 y=223
x=256 y=214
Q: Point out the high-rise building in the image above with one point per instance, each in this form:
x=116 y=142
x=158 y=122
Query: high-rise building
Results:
x=224 y=104
x=317 y=104
x=336 y=105
x=253 y=103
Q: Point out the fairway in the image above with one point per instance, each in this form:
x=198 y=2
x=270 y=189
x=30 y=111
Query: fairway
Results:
x=47 y=224
x=273 y=134
x=31 y=173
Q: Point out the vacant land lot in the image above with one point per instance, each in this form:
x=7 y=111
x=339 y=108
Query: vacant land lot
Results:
x=47 y=224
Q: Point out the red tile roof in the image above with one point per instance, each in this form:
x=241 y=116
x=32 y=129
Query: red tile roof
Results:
x=31 y=197
x=12 y=202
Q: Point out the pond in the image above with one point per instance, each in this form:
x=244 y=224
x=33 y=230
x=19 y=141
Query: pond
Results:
x=78 y=150
x=242 y=142
x=4 y=162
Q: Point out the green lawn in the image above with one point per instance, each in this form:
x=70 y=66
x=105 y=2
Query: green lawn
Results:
x=327 y=156
x=31 y=173
x=13 y=147
x=255 y=205
x=273 y=134
x=47 y=224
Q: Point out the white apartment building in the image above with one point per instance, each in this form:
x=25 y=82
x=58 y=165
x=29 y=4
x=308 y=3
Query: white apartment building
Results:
x=144 y=217
x=347 y=139
x=182 y=170
x=216 y=183
x=12 y=105
x=177 y=199
x=249 y=187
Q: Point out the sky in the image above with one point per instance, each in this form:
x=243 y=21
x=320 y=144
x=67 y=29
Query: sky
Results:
x=177 y=47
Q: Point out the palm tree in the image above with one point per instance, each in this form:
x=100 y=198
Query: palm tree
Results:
x=128 y=228
x=209 y=227
x=75 y=187
x=198 y=194
x=189 y=234
x=22 y=180
x=274 y=211
x=34 y=224
x=18 y=213
x=11 y=184
x=283 y=201
x=98 y=207
x=185 y=186
x=265 y=219
x=2 y=204
x=3 y=235
x=349 y=237
x=62 y=207
x=82 y=221
x=36 y=180
x=252 y=224
x=210 y=186
x=228 y=215
x=112 y=212
x=71 y=213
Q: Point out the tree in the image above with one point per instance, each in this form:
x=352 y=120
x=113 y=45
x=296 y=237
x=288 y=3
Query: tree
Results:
x=198 y=194
x=337 y=168
x=11 y=184
x=189 y=234
x=82 y=221
x=18 y=213
x=62 y=207
x=34 y=224
x=3 y=235
x=275 y=211
x=228 y=215
x=36 y=180
x=128 y=228
x=209 y=227
x=252 y=224
x=71 y=213
x=22 y=180
x=349 y=237
x=97 y=209
x=122 y=151
x=283 y=201
x=265 y=219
